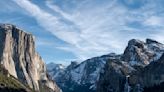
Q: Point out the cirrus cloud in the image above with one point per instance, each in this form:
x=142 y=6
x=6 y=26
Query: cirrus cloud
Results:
x=94 y=28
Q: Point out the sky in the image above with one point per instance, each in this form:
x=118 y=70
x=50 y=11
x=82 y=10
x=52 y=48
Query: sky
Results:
x=75 y=30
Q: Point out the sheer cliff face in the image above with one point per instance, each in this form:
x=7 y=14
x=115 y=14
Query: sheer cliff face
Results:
x=18 y=55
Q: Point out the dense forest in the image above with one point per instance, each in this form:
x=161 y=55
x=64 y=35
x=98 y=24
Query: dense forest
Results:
x=155 y=88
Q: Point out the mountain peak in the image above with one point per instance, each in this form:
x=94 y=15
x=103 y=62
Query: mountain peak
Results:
x=150 y=41
x=142 y=53
x=52 y=66
x=136 y=42
x=73 y=64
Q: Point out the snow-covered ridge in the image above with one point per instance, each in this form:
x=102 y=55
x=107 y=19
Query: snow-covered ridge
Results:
x=84 y=73
x=87 y=73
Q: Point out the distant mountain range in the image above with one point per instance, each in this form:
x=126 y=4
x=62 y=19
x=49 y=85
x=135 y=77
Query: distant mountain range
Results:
x=139 y=67
x=81 y=76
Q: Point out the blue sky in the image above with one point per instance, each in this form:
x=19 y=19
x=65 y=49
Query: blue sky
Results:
x=68 y=30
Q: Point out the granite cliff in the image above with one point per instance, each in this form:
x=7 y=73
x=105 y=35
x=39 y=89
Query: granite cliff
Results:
x=18 y=56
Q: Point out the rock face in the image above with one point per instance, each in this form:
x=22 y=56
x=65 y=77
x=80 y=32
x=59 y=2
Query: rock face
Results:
x=113 y=79
x=18 y=56
x=142 y=62
x=81 y=77
x=140 y=53
x=153 y=74
x=140 y=66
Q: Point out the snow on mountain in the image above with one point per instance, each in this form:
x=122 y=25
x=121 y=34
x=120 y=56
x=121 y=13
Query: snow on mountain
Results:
x=142 y=53
x=141 y=61
x=52 y=66
x=81 y=75
x=84 y=76
x=55 y=69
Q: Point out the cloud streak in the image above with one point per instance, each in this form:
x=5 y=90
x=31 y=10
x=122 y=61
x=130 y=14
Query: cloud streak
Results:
x=49 y=22
x=95 y=28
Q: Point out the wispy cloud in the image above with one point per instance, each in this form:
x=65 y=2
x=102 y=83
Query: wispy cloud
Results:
x=50 y=22
x=94 y=28
x=154 y=21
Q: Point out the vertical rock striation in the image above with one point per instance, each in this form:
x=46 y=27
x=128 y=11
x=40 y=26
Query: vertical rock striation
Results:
x=18 y=56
